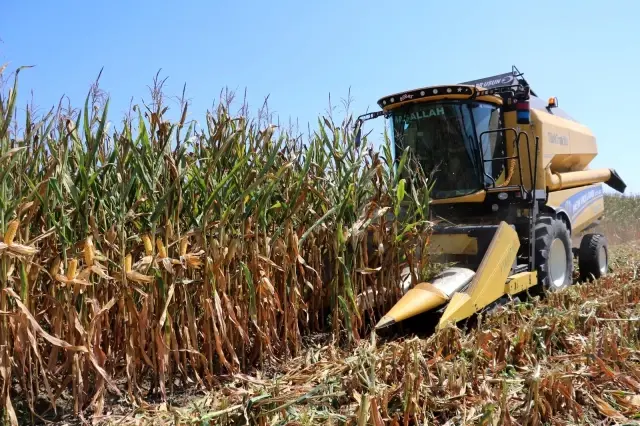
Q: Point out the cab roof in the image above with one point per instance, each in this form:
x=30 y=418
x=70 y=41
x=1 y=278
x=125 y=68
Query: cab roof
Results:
x=466 y=89
x=457 y=91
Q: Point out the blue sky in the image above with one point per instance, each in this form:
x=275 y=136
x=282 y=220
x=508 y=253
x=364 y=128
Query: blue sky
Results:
x=586 y=53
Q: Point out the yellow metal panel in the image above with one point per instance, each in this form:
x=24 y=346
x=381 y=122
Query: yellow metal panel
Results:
x=422 y=298
x=453 y=244
x=566 y=180
x=567 y=145
x=527 y=156
x=520 y=282
x=491 y=99
x=460 y=307
x=582 y=205
x=564 y=146
x=557 y=198
x=488 y=283
x=476 y=197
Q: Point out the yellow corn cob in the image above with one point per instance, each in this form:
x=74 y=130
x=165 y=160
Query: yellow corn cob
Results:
x=12 y=229
x=89 y=253
x=148 y=248
x=162 y=251
x=169 y=229
x=183 y=246
x=73 y=266
x=127 y=263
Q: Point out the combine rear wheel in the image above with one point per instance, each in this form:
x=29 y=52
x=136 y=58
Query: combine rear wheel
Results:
x=553 y=254
x=593 y=257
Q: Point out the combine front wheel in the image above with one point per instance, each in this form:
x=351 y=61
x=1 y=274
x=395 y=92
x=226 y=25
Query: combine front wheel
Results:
x=554 y=257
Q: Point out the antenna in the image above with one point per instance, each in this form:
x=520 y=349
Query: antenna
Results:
x=520 y=76
x=516 y=72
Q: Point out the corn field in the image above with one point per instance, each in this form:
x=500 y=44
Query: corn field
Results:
x=622 y=221
x=158 y=255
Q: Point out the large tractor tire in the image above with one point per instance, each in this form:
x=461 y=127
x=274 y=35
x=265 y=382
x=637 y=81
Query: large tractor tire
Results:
x=593 y=257
x=553 y=254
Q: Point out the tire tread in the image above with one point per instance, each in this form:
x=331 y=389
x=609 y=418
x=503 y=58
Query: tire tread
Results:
x=546 y=228
x=588 y=256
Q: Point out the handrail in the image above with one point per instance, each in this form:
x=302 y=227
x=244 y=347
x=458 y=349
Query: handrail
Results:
x=529 y=158
x=518 y=157
x=513 y=157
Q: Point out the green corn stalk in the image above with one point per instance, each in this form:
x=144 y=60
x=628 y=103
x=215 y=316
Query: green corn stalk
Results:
x=287 y=207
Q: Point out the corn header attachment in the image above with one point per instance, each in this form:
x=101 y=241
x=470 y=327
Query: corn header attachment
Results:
x=465 y=291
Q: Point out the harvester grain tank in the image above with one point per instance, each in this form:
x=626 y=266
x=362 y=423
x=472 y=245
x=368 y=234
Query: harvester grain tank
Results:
x=513 y=185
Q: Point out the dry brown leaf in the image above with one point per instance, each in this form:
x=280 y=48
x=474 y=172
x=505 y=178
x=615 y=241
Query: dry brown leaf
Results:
x=139 y=278
x=232 y=317
x=22 y=249
x=216 y=335
x=606 y=409
x=375 y=413
x=8 y=408
x=98 y=315
x=165 y=310
x=51 y=339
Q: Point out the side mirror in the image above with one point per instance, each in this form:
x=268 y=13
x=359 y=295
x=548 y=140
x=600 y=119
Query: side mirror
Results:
x=359 y=124
x=523 y=112
x=360 y=121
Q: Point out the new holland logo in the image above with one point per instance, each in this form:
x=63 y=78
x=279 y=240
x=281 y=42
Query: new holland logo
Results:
x=580 y=201
x=569 y=207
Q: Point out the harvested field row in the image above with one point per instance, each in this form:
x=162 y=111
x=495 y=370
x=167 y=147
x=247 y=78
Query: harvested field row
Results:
x=573 y=358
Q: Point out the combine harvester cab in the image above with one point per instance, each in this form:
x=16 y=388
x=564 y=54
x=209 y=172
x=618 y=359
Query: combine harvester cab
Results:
x=513 y=198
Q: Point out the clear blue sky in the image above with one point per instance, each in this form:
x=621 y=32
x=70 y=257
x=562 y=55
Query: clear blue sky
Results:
x=586 y=53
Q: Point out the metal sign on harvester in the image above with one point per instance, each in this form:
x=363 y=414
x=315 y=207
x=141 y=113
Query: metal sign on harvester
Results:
x=500 y=80
x=493 y=82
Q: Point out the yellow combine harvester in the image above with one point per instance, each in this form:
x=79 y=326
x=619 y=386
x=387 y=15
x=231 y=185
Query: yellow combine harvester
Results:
x=513 y=198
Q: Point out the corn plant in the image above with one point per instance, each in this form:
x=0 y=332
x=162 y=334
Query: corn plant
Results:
x=621 y=223
x=167 y=256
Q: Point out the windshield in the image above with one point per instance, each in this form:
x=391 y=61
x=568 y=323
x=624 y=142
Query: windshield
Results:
x=443 y=138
